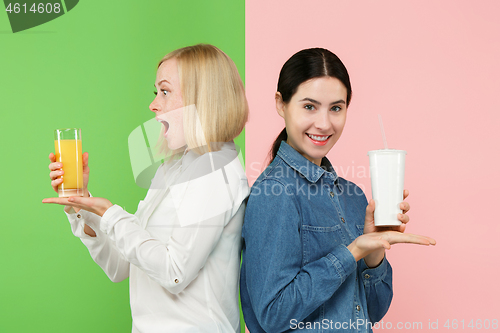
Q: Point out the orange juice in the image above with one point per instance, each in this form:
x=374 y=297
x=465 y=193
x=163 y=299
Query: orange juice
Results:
x=69 y=152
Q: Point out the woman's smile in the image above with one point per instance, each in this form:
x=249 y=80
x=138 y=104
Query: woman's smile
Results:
x=319 y=140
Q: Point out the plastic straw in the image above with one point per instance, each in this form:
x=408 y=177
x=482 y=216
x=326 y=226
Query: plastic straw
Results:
x=382 y=130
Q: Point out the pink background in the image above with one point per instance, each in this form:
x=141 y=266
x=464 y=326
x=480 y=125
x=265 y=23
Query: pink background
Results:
x=432 y=70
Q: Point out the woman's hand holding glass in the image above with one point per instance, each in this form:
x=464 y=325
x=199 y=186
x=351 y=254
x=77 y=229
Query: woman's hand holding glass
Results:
x=95 y=205
x=375 y=239
x=57 y=173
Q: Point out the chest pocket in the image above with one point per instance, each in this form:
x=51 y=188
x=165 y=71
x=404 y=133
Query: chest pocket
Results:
x=319 y=241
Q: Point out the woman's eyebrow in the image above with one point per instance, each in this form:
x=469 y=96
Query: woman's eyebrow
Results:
x=164 y=80
x=310 y=100
x=340 y=101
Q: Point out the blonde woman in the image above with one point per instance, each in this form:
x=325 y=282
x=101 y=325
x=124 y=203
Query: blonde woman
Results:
x=181 y=249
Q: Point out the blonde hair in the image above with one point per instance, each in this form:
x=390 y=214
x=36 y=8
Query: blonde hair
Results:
x=211 y=83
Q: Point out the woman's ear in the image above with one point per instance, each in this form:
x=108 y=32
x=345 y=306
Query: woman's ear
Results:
x=280 y=105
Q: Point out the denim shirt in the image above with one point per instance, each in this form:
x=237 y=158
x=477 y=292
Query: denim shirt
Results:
x=297 y=273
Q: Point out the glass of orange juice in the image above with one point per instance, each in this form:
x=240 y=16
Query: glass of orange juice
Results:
x=68 y=144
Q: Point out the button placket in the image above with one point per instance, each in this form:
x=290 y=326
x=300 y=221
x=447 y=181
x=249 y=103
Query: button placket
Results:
x=346 y=235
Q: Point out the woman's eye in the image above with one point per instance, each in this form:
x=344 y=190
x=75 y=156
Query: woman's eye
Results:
x=309 y=107
x=163 y=91
x=336 y=108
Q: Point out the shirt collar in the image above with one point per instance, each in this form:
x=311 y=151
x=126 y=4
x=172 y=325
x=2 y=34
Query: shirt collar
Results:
x=302 y=165
x=191 y=155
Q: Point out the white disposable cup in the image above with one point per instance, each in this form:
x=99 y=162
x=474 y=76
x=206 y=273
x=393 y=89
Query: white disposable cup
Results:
x=387 y=173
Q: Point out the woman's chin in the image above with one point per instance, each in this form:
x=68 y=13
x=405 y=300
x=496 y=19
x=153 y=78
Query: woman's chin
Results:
x=175 y=145
x=172 y=147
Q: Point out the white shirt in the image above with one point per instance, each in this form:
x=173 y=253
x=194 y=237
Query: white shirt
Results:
x=181 y=249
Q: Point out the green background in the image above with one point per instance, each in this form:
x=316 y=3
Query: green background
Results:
x=94 y=68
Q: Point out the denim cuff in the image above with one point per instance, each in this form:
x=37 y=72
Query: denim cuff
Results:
x=375 y=274
x=343 y=261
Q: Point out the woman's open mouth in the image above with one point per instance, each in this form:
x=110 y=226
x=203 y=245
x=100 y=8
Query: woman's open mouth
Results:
x=319 y=140
x=166 y=125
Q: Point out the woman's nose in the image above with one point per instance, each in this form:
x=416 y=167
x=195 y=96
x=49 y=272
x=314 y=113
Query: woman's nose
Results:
x=322 y=121
x=154 y=106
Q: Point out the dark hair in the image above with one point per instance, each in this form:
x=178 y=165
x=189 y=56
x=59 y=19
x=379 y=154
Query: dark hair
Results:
x=301 y=67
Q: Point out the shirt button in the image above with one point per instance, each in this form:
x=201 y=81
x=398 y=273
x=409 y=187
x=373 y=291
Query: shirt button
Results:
x=343 y=221
x=358 y=307
x=78 y=215
x=367 y=276
x=332 y=194
x=176 y=281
